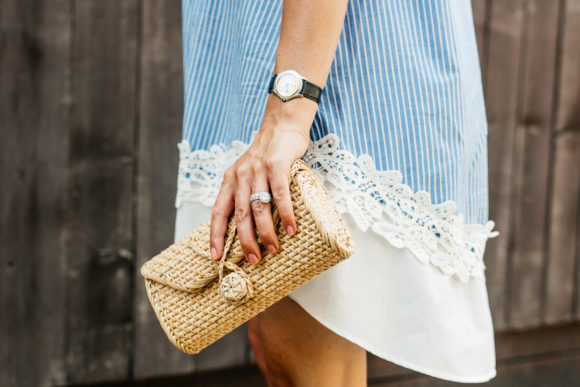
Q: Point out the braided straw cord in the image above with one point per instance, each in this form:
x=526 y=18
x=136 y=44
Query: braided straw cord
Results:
x=196 y=304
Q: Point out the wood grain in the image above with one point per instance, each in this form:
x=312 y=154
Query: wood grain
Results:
x=481 y=19
x=562 y=301
x=101 y=264
x=503 y=69
x=159 y=130
x=34 y=122
x=532 y=155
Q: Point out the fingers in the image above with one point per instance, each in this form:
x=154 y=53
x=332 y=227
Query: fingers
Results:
x=238 y=184
x=263 y=214
x=244 y=218
x=278 y=176
x=220 y=213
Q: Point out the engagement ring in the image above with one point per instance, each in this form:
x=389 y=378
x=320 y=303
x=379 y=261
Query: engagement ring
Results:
x=264 y=197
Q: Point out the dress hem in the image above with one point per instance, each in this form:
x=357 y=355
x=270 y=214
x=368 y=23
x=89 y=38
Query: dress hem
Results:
x=381 y=354
x=379 y=200
x=394 y=359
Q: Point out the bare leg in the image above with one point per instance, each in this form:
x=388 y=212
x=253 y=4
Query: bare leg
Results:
x=293 y=349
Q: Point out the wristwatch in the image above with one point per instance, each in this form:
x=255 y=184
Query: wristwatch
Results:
x=289 y=84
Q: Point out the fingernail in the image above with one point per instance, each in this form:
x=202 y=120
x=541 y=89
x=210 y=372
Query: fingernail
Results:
x=213 y=253
x=271 y=248
x=252 y=258
x=289 y=230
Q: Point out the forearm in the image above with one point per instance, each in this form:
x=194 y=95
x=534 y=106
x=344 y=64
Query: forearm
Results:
x=308 y=39
x=309 y=36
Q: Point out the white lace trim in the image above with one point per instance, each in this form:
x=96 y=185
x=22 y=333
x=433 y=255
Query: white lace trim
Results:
x=375 y=199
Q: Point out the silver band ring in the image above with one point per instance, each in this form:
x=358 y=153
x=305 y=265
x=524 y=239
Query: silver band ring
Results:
x=264 y=197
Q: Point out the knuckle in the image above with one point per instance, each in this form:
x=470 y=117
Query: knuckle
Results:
x=257 y=167
x=258 y=206
x=278 y=193
x=241 y=214
x=273 y=163
x=242 y=172
x=216 y=212
x=262 y=233
x=229 y=173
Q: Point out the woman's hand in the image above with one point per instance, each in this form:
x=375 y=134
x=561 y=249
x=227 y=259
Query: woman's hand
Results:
x=284 y=133
x=265 y=166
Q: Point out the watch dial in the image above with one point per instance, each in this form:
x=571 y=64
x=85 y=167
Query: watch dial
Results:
x=288 y=84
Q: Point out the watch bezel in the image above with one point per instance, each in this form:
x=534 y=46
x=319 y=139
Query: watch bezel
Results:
x=296 y=93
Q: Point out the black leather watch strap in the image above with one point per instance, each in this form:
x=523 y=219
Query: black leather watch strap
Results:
x=310 y=90
x=271 y=86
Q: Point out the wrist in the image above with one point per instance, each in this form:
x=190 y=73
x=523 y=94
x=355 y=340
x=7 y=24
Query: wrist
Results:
x=297 y=112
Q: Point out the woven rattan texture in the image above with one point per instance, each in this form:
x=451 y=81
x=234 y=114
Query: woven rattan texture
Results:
x=182 y=283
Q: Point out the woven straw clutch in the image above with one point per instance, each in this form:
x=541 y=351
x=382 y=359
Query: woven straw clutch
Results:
x=198 y=300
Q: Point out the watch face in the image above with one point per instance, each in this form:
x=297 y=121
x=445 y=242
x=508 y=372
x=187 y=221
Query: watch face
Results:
x=288 y=84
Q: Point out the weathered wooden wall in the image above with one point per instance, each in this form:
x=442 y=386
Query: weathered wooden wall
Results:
x=531 y=63
x=90 y=116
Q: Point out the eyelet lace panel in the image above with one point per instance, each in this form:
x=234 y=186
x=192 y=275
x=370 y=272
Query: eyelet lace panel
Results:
x=375 y=199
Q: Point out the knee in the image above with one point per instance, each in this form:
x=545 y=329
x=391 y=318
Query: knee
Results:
x=267 y=355
x=254 y=336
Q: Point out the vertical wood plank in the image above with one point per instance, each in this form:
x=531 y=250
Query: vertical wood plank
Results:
x=505 y=28
x=562 y=299
x=532 y=151
x=160 y=130
x=100 y=328
x=34 y=110
x=481 y=13
x=160 y=115
x=564 y=230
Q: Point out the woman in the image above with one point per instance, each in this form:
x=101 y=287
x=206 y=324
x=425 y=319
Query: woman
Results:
x=394 y=125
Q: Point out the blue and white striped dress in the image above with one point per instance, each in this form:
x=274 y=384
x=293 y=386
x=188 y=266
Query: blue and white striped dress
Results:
x=400 y=141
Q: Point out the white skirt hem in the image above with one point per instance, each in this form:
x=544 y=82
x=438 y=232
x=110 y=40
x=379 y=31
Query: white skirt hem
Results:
x=394 y=306
x=393 y=359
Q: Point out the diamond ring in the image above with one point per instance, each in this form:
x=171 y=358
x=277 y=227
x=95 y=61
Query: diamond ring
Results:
x=264 y=197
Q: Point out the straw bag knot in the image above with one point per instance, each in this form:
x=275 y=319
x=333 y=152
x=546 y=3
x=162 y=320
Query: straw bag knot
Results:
x=236 y=287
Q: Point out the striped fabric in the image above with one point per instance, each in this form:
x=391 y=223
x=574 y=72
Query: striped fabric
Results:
x=404 y=88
